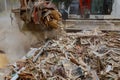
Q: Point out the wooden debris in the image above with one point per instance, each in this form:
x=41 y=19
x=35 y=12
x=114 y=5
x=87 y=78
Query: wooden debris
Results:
x=69 y=59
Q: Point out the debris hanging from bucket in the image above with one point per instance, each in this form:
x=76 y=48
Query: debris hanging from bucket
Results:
x=40 y=12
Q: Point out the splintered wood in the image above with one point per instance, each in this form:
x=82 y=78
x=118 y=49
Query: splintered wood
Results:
x=84 y=56
x=3 y=60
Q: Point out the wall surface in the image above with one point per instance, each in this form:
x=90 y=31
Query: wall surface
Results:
x=116 y=9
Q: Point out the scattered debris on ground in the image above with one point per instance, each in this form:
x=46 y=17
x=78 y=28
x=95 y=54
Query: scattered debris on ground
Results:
x=89 y=55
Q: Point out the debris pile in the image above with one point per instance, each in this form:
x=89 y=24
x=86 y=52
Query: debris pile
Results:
x=78 y=56
x=40 y=12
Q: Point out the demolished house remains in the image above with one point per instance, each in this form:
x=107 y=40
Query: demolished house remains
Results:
x=84 y=55
x=89 y=55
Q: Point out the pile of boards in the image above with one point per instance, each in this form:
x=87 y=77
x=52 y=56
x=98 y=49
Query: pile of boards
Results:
x=89 y=55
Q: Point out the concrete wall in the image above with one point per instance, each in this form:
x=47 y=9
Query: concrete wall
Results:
x=116 y=9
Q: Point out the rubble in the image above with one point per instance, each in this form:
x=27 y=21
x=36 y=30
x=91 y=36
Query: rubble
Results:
x=78 y=56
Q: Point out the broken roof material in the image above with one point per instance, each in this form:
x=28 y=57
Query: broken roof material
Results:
x=72 y=58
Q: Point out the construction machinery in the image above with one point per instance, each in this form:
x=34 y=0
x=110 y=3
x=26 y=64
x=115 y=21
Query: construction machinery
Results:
x=39 y=13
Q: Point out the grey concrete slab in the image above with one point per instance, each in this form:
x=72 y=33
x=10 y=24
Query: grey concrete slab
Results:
x=104 y=25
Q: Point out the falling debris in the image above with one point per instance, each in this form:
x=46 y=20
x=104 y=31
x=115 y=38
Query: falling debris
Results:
x=42 y=13
x=86 y=56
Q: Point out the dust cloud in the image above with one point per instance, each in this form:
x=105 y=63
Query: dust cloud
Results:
x=16 y=39
x=12 y=41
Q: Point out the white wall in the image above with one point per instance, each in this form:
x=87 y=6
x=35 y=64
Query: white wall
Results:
x=116 y=9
